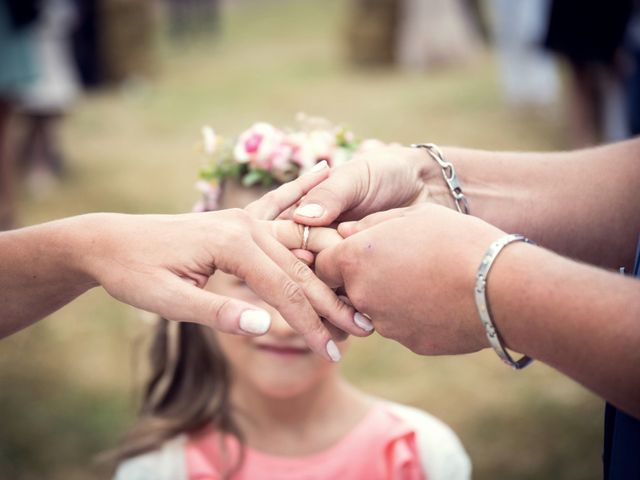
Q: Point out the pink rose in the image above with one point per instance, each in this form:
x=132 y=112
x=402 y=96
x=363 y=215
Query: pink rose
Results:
x=258 y=145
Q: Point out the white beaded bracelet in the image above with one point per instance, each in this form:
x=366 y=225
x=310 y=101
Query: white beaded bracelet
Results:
x=483 y=305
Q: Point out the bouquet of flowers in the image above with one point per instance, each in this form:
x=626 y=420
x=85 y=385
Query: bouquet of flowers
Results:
x=266 y=155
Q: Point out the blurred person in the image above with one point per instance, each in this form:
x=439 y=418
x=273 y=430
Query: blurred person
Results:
x=223 y=406
x=632 y=78
x=45 y=102
x=87 y=53
x=435 y=33
x=188 y=18
x=562 y=302
x=17 y=70
x=529 y=74
x=372 y=31
x=128 y=46
x=589 y=36
x=160 y=263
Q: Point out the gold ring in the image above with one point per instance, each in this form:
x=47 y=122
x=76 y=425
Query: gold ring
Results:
x=305 y=237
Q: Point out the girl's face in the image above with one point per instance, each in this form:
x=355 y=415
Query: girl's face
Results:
x=277 y=364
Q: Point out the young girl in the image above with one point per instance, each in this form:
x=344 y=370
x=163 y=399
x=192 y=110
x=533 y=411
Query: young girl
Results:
x=223 y=406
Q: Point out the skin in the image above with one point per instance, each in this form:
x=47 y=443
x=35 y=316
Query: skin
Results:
x=160 y=263
x=412 y=270
x=287 y=401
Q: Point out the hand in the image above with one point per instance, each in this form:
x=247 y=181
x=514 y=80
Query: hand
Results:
x=379 y=180
x=160 y=263
x=412 y=271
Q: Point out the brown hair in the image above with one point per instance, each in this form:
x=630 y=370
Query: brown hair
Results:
x=189 y=386
x=188 y=390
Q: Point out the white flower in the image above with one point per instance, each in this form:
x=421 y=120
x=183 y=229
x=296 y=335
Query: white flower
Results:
x=209 y=140
x=340 y=157
x=370 y=144
x=323 y=143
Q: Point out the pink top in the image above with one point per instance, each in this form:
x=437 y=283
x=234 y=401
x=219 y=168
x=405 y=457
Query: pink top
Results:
x=380 y=447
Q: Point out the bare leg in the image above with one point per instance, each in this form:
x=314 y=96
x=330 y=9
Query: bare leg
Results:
x=7 y=203
x=584 y=116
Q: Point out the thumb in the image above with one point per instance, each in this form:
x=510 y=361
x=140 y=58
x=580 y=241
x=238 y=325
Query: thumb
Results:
x=189 y=303
x=339 y=193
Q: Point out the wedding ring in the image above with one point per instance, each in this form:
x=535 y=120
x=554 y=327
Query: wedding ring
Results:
x=305 y=237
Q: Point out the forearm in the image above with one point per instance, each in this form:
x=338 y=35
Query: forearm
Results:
x=40 y=270
x=583 y=321
x=582 y=204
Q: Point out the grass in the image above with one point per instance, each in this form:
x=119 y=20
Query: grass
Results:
x=66 y=384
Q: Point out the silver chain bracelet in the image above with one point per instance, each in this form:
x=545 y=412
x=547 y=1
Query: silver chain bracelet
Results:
x=483 y=305
x=449 y=175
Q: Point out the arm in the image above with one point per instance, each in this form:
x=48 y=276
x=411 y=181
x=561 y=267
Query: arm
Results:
x=581 y=320
x=413 y=272
x=161 y=262
x=583 y=204
x=40 y=272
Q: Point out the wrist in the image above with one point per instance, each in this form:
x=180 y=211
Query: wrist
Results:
x=509 y=291
x=79 y=247
x=441 y=180
x=494 y=336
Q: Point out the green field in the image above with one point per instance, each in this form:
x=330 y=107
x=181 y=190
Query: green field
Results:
x=67 y=386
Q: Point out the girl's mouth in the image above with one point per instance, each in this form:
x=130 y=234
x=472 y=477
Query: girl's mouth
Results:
x=283 y=350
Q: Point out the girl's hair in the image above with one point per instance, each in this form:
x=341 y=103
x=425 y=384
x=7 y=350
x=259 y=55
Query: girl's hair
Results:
x=188 y=390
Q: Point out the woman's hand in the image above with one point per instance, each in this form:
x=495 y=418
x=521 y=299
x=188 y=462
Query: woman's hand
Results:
x=412 y=271
x=386 y=178
x=161 y=262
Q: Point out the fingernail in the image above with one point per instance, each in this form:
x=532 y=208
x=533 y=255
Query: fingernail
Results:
x=311 y=210
x=361 y=320
x=319 y=166
x=332 y=350
x=256 y=322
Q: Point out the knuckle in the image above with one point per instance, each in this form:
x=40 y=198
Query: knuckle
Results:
x=217 y=309
x=301 y=271
x=293 y=292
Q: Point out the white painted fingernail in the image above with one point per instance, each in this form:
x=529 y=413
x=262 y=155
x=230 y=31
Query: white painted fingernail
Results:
x=332 y=350
x=363 y=322
x=319 y=166
x=256 y=322
x=311 y=210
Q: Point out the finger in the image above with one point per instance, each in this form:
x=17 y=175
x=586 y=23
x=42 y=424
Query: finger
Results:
x=273 y=203
x=327 y=267
x=277 y=288
x=338 y=334
x=322 y=298
x=189 y=303
x=344 y=189
x=291 y=235
x=305 y=256
x=346 y=229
